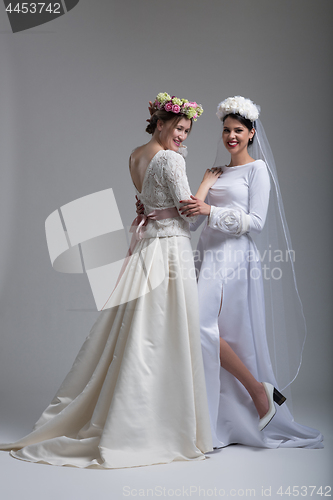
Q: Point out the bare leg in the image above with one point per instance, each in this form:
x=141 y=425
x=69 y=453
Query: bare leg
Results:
x=231 y=362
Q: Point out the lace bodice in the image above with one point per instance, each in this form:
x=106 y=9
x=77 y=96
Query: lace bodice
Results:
x=164 y=185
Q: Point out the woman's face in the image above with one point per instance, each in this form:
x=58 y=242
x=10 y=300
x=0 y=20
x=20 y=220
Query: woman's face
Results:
x=171 y=136
x=235 y=135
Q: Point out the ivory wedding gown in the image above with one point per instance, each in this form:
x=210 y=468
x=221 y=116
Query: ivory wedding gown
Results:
x=231 y=306
x=136 y=392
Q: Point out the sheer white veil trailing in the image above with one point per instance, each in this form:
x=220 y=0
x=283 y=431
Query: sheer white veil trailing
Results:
x=285 y=321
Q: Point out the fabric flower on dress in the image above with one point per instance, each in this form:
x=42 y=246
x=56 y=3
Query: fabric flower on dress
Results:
x=182 y=150
x=230 y=221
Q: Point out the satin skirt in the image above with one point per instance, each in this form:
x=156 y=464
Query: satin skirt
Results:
x=136 y=393
x=231 y=306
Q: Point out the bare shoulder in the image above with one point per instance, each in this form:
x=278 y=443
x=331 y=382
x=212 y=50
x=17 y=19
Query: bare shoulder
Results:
x=142 y=156
x=136 y=154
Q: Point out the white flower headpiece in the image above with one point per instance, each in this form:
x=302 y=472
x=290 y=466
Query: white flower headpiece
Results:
x=238 y=105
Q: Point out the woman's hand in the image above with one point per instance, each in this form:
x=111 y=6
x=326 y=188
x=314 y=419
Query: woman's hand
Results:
x=211 y=175
x=194 y=206
x=209 y=179
x=140 y=209
x=151 y=109
x=139 y=206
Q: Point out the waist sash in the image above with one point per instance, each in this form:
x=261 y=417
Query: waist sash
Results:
x=137 y=228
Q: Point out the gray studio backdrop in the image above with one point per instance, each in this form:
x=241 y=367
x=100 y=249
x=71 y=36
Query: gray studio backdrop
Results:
x=73 y=101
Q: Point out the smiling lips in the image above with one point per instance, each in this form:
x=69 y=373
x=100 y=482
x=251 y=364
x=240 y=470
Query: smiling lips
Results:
x=232 y=144
x=178 y=143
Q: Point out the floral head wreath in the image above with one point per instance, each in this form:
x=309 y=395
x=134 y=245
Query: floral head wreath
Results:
x=240 y=106
x=190 y=109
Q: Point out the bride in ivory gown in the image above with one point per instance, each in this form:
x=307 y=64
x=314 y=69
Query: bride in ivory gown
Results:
x=136 y=392
x=231 y=291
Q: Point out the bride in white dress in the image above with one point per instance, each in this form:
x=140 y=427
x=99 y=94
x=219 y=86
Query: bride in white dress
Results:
x=136 y=392
x=231 y=293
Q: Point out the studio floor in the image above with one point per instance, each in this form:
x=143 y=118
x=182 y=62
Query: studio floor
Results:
x=234 y=472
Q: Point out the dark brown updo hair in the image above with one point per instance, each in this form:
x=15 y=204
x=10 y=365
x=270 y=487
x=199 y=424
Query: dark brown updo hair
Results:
x=244 y=121
x=164 y=116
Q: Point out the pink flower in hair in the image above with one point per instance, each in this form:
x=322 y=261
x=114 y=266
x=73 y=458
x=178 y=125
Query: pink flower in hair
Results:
x=168 y=106
x=175 y=108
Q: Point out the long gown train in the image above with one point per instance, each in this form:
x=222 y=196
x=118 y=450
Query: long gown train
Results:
x=136 y=392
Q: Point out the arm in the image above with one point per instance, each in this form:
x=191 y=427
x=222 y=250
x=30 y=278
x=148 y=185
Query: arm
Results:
x=259 y=199
x=209 y=179
x=234 y=220
x=197 y=204
x=194 y=225
x=201 y=218
x=176 y=179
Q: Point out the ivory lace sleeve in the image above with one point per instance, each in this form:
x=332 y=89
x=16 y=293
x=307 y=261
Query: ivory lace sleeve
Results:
x=176 y=179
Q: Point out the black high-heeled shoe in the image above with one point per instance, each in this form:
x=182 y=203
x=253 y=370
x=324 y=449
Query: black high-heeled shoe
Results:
x=272 y=395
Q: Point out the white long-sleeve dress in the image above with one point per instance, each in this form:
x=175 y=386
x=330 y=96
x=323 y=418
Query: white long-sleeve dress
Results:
x=136 y=392
x=231 y=306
